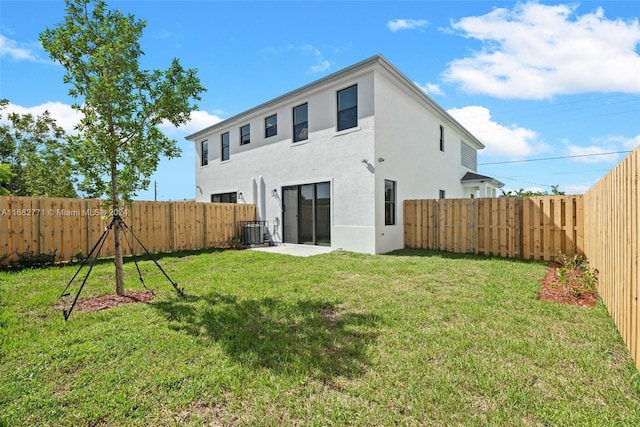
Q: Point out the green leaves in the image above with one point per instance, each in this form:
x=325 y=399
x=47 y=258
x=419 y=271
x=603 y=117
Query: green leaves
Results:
x=119 y=142
x=34 y=150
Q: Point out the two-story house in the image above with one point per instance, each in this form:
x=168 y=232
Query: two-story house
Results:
x=330 y=163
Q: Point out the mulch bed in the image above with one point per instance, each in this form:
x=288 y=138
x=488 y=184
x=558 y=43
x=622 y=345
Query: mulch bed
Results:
x=551 y=289
x=103 y=302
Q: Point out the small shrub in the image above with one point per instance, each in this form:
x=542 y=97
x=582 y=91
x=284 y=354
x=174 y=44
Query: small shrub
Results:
x=235 y=243
x=575 y=274
x=78 y=258
x=28 y=259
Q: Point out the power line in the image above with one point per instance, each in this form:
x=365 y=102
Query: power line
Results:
x=555 y=158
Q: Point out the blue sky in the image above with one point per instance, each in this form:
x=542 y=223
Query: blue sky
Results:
x=532 y=80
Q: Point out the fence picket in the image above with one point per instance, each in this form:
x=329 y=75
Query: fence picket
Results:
x=70 y=226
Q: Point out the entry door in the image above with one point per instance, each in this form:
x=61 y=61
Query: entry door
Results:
x=307 y=214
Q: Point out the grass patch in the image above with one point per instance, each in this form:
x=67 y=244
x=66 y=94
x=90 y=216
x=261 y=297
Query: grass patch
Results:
x=411 y=338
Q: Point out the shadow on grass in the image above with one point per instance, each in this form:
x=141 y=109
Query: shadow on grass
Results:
x=313 y=337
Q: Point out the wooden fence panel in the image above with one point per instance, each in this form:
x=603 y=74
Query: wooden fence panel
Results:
x=611 y=243
x=73 y=226
x=530 y=228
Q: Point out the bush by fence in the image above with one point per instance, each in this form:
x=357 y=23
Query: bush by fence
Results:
x=73 y=226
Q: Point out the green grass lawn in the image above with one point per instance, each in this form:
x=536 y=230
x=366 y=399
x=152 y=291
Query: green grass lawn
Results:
x=413 y=338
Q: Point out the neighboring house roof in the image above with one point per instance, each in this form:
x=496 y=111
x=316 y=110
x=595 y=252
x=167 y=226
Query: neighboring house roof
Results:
x=376 y=60
x=471 y=177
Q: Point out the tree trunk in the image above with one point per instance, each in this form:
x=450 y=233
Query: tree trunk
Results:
x=117 y=228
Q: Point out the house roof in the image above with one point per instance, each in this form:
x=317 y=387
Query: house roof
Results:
x=372 y=62
x=471 y=177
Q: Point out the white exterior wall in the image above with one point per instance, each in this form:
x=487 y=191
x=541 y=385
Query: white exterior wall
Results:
x=261 y=166
x=397 y=135
x=407 y=137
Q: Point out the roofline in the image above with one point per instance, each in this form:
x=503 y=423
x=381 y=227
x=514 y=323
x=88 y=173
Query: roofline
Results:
x=369 y=62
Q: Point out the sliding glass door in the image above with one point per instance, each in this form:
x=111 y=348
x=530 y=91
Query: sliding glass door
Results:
x=306 y=213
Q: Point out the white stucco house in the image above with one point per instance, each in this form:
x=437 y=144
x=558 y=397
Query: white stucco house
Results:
x=330 y=163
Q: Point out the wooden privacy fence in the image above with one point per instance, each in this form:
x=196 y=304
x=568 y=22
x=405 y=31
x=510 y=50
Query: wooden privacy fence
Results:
x=528 y=228
x=71 y=226
x=612 y=245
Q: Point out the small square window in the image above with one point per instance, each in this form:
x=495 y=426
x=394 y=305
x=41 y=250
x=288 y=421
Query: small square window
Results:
x=271 y=126
x=245 y=135
x=441 y=194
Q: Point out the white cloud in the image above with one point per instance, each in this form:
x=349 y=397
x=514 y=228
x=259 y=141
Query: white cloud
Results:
x=308 y=50
x=512 y=141
x=431 y=89
x=405 y=24
x=65 y=116
x=199 y=120
x=597 y=152
x=537 y=51
x=16 y=51
x=591 y=154
x=627 y=143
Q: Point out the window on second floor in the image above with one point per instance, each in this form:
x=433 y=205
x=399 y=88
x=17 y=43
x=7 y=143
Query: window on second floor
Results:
x=441 y=138
x=348 y=108
x=245 y=134
x=204 y=153
x=271 y=126
x=300 y=123
x=224 y=146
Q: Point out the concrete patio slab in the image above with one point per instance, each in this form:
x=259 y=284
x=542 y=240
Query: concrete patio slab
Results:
x=294 y=250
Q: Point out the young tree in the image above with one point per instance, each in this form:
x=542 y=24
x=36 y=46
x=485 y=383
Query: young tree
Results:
x=35 y=151
x=119 y=145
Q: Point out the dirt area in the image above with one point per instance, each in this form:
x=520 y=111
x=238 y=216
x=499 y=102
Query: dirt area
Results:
x=103 y=302
x=552 y=289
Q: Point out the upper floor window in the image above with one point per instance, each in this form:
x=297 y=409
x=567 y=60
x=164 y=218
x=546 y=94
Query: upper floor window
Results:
x=204 y=153
x=441 y=138
x=245 y=134
x=224 y=146
x=389 y=202
x=271 y=126
x=300 y=123
x=225 y=198
x=348 y=108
